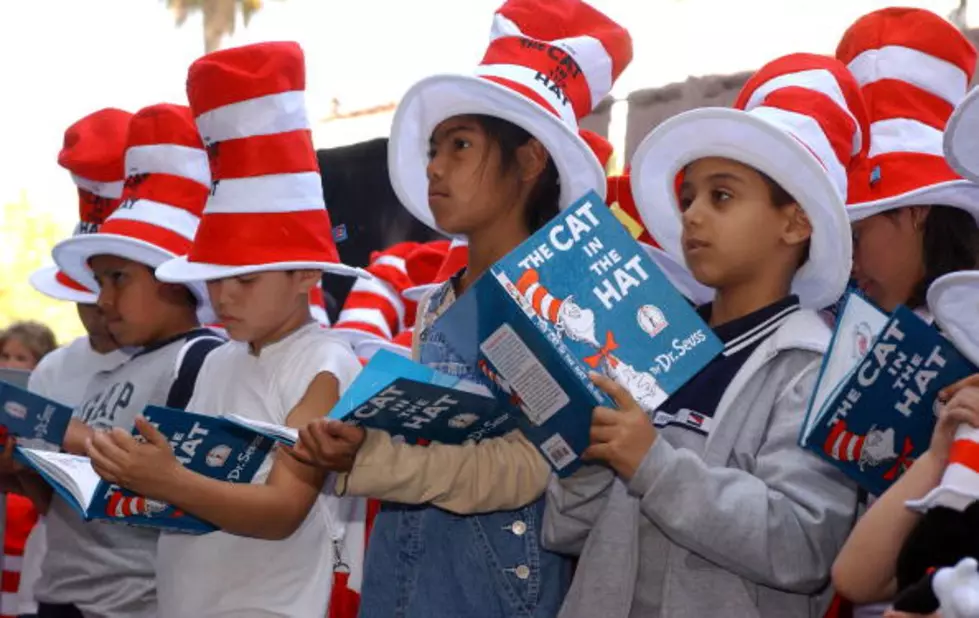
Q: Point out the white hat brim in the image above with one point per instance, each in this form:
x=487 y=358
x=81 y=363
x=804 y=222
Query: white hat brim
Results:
x=181 y=270
x=678 y=275
x=437 y=98
x=961 y=141
x=961 y=194
x=944 y=495
x=954 y=301
x=416 y=293
x=355 y=337
x=73 y=254
x=45 y=281
x=369 y=347
x=739 y=136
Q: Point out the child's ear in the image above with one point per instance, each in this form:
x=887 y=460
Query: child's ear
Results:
x=177 y=294
x=798 y=228
x=532 y=158
x=306 y=279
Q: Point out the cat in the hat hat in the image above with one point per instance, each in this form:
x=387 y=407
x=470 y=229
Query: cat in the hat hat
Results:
x=914 y=217
x=488 y=157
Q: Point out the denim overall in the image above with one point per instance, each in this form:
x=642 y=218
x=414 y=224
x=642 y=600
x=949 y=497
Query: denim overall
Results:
x=423 y=562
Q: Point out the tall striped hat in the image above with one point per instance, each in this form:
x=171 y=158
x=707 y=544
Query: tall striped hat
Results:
x=540 y=298
x=317 y=305
x=454 y=259
x=801 y=121
x=167 y=184
x=375 y=308
x=548 y=65
x=266 y=209
x=92 y=152
x=913 y=68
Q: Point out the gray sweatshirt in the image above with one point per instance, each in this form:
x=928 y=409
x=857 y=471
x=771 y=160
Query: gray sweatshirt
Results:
x=747 y=528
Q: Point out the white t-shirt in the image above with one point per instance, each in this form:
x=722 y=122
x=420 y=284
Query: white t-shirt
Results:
x=220 y=574
x=62 y=375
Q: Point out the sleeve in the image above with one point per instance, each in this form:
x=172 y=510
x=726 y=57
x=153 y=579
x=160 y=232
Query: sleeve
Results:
x=189 y=364
x=498 y=474
x=573 y=506
x=779 y=525
x=41 y=381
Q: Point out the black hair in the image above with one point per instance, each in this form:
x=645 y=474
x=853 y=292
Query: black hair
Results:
x=780 y=199
x=543 y=201
x=949 y=243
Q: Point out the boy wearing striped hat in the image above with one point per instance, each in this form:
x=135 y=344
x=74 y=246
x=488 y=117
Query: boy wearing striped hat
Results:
x=92 y=569
x=711 y=507
x=264 y=242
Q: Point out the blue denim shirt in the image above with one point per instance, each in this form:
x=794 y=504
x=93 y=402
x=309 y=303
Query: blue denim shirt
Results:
x=423 y=562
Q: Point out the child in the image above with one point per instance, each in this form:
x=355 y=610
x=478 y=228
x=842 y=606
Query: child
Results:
x=914 y=218
x=281 y=367
x=24 y=344
x=492 y=158
x=712 y=508
x=101 y=570
x=93 y=152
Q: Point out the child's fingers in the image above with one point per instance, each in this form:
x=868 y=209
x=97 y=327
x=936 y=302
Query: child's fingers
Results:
x=950 y=391
x=150 y=432
x=343 y=431
x=599 y=452
x=103 y=465
x=105 y=446
x=613 y=389
x=601 y=434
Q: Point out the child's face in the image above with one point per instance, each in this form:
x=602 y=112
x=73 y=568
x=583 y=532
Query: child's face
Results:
x=261 y=307
x=464 y=176
x=16 y=355
x=94 y=322
x=732 y=231
x=888 y=260
x=130 y=299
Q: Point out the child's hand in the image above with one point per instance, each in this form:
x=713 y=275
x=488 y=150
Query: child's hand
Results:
x=962 y=408
x=619 y=437
x=949 y=391
x=329 y=444
x=140 y=467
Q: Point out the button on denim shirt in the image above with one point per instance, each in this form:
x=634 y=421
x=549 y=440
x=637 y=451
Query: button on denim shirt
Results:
x=423 y=562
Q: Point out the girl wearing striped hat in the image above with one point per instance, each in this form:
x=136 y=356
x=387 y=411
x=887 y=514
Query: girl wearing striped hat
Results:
x=914 y=218
x=490 y=157
x=710 y=507
x=264 y=242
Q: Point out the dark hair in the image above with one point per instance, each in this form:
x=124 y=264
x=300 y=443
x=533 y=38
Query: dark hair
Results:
x=949 y=243
x=780 y=199
x=542 y=203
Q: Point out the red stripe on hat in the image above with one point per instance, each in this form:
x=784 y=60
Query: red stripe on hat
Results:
x=263 y=155
x=94 y=209
x=527 y=279
x=94 y=147
x=836 y=124
x=175 y=191
x=264 y=238
x=153 y=234
x=555 y=68
x=891 y=98
x=906 y=27
x=68 y=282
x=164 y=124
x=243 y=73
x=538 y=297
x=358 y=299
x=525 y=91
x=965 y=453
x=900 y=172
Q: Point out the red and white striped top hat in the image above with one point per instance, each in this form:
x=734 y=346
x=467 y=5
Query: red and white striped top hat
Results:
x=960 y=144
x=547 y=66
x=167 y=184
x=93 y=152
x=954 y=301
x=600 y=147
x=800 y=120
x=913 y=68
x=455 y=259
x=375 y=308
x=539 y=297
x=317 y=305
x=266 y=209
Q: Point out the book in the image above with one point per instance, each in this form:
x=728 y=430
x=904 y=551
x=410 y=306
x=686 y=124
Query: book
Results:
x=875 y=405
x=206 y=444
x=37 y=422
x=579 y=295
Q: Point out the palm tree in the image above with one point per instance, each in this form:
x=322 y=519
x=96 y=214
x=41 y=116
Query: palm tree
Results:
x=219 y=16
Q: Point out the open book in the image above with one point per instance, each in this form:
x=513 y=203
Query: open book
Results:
x=208 y=445
x=873 y=410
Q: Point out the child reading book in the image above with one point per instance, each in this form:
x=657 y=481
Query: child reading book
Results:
x=490 y=157
x=710 y=507
x=264 y=242
x=914 y=217
x=97 y=569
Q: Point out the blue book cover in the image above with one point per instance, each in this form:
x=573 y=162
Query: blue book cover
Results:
x=209 y=445
x=579 y=295
x=404 y=398
x=879 y=418
x=36 y=422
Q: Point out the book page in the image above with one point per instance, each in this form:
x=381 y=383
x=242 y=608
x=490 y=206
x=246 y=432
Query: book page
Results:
x=280 y=432
x=538 y=389
x=74 y=472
